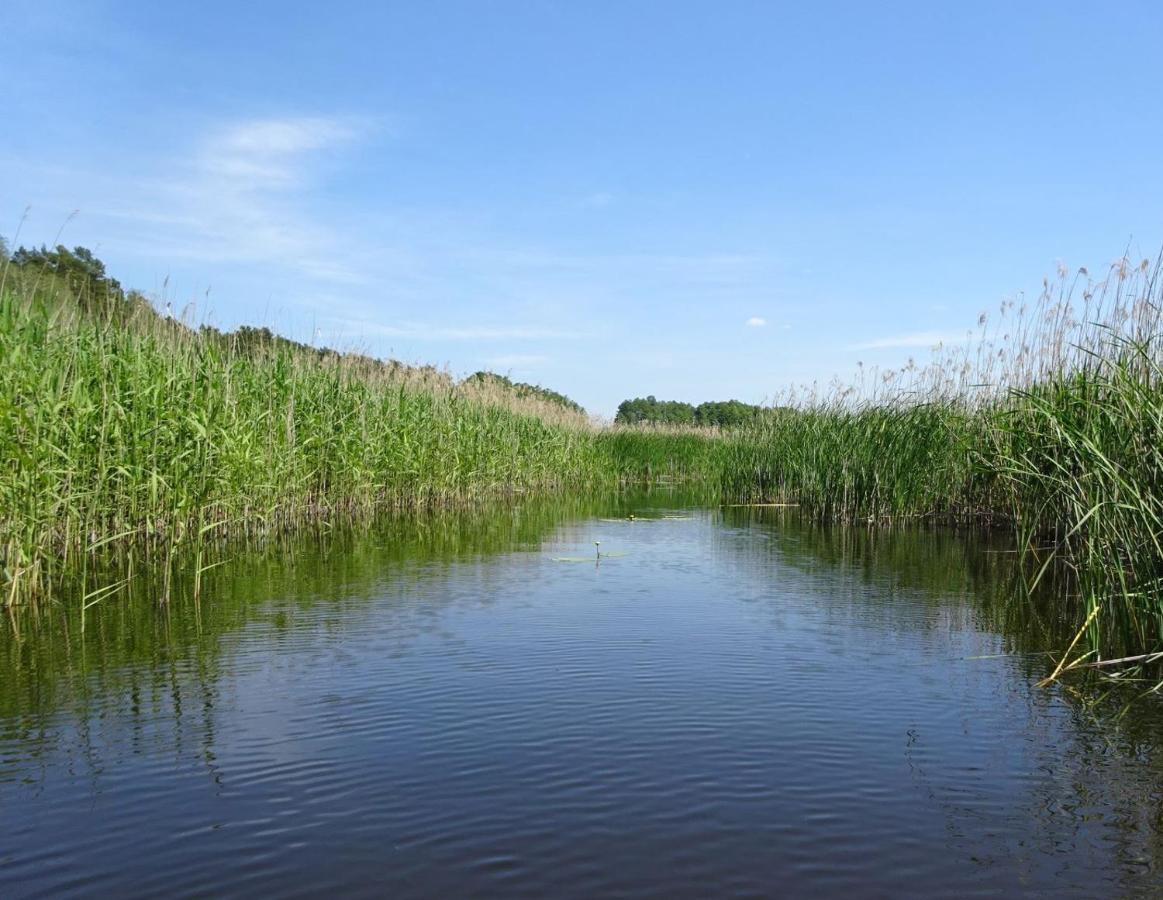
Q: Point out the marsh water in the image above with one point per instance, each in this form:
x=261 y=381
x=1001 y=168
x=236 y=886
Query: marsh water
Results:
x=728 y=702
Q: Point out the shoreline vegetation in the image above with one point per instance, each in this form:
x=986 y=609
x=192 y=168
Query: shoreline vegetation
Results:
x=1047 y=421
x=125 y=431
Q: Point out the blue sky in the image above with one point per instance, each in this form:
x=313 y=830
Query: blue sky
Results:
x=694 y=200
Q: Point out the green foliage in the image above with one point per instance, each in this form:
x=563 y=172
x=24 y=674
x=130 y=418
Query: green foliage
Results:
x=78 y=269
x=157 y=433
x=77 y=281
x=121 y=427
x=76 y=278
x=1055 y=435
x=649 y=454
x=651 y=411
x=726 y=413
x=875 y=462
x=118 y=425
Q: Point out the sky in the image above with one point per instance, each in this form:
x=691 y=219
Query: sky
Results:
x=695 y=200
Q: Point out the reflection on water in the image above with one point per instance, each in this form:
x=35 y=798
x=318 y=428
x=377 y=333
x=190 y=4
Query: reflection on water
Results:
x=729 y=702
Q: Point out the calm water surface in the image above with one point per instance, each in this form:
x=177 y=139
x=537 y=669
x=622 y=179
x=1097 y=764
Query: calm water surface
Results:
x=728 y=704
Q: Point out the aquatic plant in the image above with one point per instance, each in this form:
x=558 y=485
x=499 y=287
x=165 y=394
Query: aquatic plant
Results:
x=121 y=428
x=124 y=428
x=1048 y=420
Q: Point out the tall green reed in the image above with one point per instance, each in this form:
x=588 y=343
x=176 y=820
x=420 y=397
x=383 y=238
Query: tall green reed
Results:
x=1047 y=420
x=124 y=430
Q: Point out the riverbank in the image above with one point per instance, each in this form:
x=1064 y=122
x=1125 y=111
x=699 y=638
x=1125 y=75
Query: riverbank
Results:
x=126 y=431
x=122 y=427
x=1047 y=421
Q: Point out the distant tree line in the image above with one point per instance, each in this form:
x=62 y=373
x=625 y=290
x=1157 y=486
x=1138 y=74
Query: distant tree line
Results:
x=83 y=272
x=77 y=272
x=651 y=411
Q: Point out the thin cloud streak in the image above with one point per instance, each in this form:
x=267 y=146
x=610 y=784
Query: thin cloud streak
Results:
x=242 y=191
x=241 y=195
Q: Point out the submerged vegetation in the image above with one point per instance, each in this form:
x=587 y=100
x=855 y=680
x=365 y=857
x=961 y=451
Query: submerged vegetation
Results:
x=125 y=429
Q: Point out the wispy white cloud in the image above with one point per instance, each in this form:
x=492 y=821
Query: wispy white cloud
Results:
x=242 y=195
x=756 y=322
x=913 y=339
x=269 y=154
x=248 y=204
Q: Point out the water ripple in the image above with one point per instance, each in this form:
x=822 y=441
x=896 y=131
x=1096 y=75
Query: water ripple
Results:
x=727 y=709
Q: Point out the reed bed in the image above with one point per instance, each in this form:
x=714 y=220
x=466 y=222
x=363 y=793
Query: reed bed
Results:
x=659 y=453
x=120 y=428
x=1047 y=420
x=149 y=431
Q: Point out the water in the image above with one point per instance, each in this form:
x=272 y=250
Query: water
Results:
x=738 y=705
